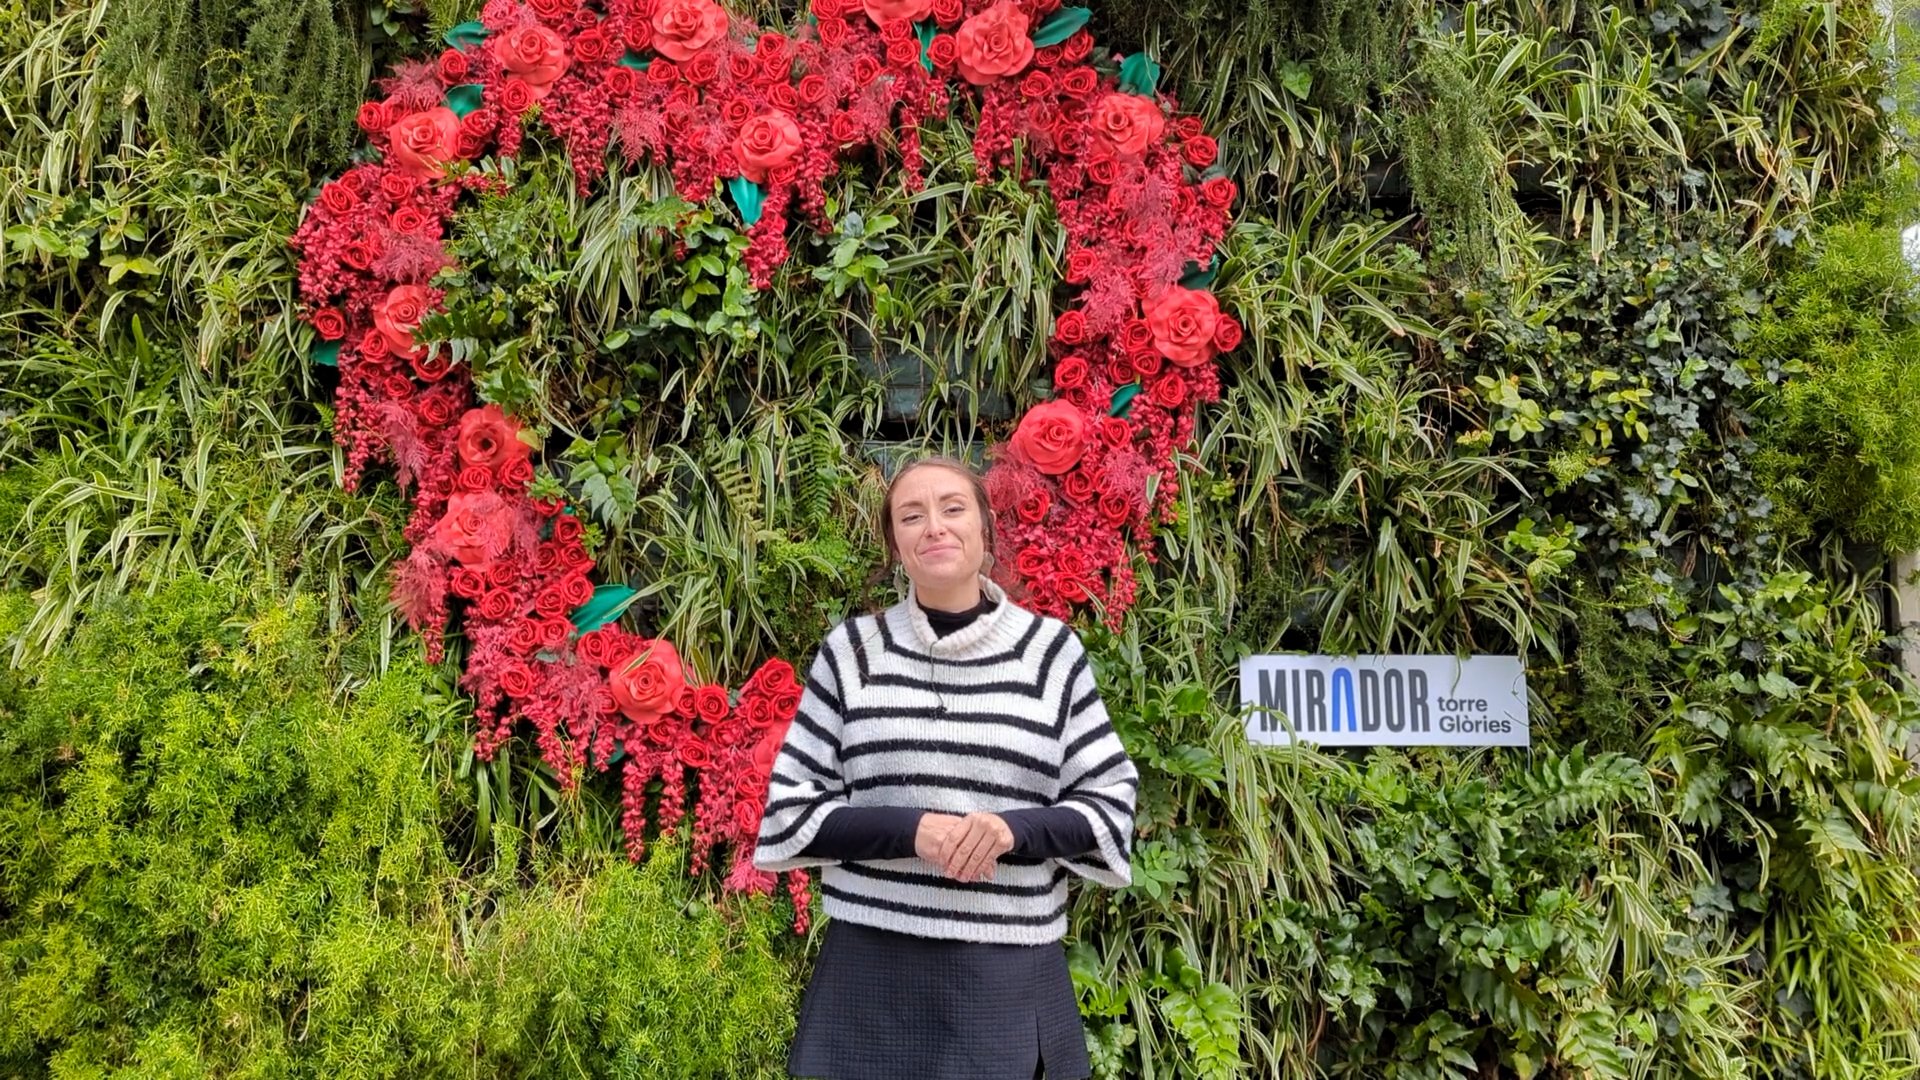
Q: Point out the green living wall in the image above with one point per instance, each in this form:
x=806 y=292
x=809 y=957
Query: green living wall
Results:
x=1579 y=332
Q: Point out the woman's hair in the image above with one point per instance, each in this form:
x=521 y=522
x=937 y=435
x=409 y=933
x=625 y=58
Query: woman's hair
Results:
x=974 y=480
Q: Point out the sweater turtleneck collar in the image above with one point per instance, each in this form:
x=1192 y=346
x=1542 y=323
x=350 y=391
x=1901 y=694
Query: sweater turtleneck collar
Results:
x=989 y=625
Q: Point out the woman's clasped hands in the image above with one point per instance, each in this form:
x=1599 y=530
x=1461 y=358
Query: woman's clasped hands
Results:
x=964 y=848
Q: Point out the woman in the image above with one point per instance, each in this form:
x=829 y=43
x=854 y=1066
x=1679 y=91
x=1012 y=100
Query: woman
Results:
x=951 y=766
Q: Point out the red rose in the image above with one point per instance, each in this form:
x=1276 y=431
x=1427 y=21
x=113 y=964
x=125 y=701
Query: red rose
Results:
x=398 y=186
x=467 y=583
x=411 y=220
x=373 y=345
x=1219 y=192
x=592 y=647
x=1033 y=508
x=1119 y=370
x=436 y=410
x=551 y=602
x=662 y=72
x=1080 y=264
x=548 y=558
x=777 y=678
x=766 y=142
x=1226 y=334
x=374 y=117
x=1030 y=562
x=1115 y=509
x=1183 y=321
x=432 y=365
x=702 y=69
x=833 y=32
x=1114 y=431
x=684 y=27
x=638 y=34
x=422 y=143
x=647 y=684
x=498 y=605
x=474 y=478
x=784 y=98
x=518 y=680
x=1070 y=328
x=555 y=631
x=516 y=97
x=1077 y=48
x=866 y=69
x=620 y=81
x=329 y=324
x=1080 y=83
x=770 y=44
x=452 y=67
x=944 y=52
x=1103 y=171
x=1146 y=362
x=903 y=54
x=516 y=474
x=399 y=313
x=1037 y=84
x=524 y=638
x=948 y=12
x=1200 y=151
x=339 y=198
x=1186 y=127
x=812 y=89
x=475 y=528
x=1051 y=437
x=736 y=111
x=1070 y=373
x=553 y=11
x=592 y=47
x=502 y=573
x=567 y=529
x=489 y=438
x=710 y=703
x=577 y=590
x=846 y=129
x=787 y=703
x=1078 y=486
x=828 y=9
x=397 y=386
x=532 y=52
x=1169 y=391
x=1130 y=122
x=896 y=30
x=907 y=11
x=994 y=44
x=695 y=753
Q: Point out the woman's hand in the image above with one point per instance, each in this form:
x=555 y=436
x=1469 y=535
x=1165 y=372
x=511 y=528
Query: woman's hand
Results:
x=973 y=845
x=932 y=834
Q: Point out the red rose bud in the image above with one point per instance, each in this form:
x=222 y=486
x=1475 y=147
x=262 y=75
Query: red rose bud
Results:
x=567 y=529
x=467 y=583
x=1219 y=192
x=432 y=365
x=330 y=324
x=903 y=54
x=1187 y=127
x=1070 y=328
x=944 y=52
x=524 y=639
x=339 y=198
x=555 y=631
x=1070 y=373
x=702 y=69
x=1080 y=83
x=1226 y=333
x=516 y=474
x=498 y=605
x=1077 y=48
x=516 y=97
x=1169 y=391
x=502 y=573
x=1033 y=507
x=833 y=32
x=710 y=703
x=949 y=12
x=1115 y=431
x=1037 y=84
x=474 y=478
x=1077 y=486
x=592 y=47
x=373 y=117
x=1200 y=151
x=452 y=67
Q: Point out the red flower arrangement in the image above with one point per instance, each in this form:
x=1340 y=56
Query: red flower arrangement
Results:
x=683 y=83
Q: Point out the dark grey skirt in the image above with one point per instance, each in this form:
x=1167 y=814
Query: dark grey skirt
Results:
x=883 y=1006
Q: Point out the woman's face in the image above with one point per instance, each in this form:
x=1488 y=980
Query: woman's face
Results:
x=938 y=527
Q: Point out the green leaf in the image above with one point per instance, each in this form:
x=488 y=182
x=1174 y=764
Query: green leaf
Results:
x=1297 y=79
x=464 y=99
x=1200 y=277
x=1139 y=74
x=465 y=36
x=748 y=196
x=1123 y=399
x=1060 y=26
x=326 y=353
x=607 y=604
x=635 y=61
x=926 y=32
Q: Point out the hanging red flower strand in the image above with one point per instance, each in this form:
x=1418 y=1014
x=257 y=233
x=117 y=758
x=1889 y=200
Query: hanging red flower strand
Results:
x=767 y=118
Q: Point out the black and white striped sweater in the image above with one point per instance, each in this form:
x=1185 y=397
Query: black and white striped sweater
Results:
x=999 y=715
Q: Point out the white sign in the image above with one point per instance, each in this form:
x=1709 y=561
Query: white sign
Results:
x=1386 y=700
